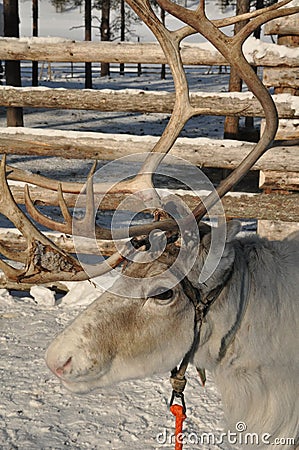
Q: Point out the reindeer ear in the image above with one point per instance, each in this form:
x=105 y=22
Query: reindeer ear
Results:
x=203 y=229
x=232 y=229
x=229 y=229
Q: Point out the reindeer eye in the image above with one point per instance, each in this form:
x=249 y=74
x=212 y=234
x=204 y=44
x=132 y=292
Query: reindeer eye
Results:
x=162 y=295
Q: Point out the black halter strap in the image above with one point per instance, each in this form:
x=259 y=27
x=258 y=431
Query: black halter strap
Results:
x=201 y=304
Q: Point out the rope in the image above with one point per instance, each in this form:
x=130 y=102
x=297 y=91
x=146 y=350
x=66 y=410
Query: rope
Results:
x=178 y=379
x=180 y=416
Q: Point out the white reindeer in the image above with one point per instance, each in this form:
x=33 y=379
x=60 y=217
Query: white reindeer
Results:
x=241 y=323
x=248 y=338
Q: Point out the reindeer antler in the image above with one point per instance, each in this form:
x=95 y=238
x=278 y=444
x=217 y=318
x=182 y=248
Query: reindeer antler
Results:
x=43 y=261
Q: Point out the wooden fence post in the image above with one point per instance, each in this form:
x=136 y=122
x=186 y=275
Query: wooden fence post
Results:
x=231 y=124
x=105 y=33
x=288 y=35
x=35 y=33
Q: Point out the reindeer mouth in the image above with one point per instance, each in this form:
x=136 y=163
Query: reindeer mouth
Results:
x=77 y=387
x=84 y=384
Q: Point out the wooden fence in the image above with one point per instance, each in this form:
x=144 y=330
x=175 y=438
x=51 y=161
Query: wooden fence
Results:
x=204 y=153
x=284 y=82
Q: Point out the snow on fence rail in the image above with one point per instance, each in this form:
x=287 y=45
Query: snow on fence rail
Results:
x=203 y=152
x=135 y=100
x=258 y=53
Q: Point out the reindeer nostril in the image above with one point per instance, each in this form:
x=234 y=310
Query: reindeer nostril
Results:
x=66 y=367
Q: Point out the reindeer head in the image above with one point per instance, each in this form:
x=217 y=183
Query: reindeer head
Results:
x=147 y=327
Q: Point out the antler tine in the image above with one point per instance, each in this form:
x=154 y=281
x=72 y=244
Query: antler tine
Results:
x=63 y=207
x=63 y=227
x=82 y=227
x=187 y=30
x=219 y=23
x=87 y=224
x=273 y=13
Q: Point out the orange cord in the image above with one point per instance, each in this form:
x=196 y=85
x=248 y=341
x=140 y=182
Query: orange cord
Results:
x=180 y=416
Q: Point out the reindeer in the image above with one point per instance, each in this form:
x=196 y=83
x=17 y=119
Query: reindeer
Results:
x=247 y=335
x=222 y=303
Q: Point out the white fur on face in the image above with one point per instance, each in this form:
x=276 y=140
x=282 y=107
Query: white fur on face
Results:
x=119 y=338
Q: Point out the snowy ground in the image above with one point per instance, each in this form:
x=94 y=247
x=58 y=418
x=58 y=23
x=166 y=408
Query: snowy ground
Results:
x=37 y=413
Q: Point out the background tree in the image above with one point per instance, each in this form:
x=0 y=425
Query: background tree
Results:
x=64 y=5
x=35 y=33
x=12 y=68
x=223 y=4
x=88 y=37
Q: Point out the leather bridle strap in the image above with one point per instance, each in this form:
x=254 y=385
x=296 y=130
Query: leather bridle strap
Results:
x=201 y=305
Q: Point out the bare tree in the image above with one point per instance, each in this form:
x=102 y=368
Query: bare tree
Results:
x=12 y=68
x=88 y=68
x=105 y=32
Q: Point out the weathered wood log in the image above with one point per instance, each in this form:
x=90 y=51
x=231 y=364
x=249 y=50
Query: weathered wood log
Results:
x=201 y=152
x=17 y=242
x=287 y=130
x=281 y=77
x=213 y=103
x=274 y=180
x=247 y=206
x=289 y=41
x=276 y=230
x=15 y=286
x=62 y=50
x=283 y=26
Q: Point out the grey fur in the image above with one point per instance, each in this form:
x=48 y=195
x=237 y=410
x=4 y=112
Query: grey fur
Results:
x=119 y=338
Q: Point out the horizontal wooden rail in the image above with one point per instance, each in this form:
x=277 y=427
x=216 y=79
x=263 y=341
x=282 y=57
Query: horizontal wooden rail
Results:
x=212 y=103
x=271 y=180
x=284 y=26
x=201 y=152
x=281 y=77
x=257 y=52
x=246 y=206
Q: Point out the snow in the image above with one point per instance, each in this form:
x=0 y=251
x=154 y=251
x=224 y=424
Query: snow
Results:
x=255 y=49
x=41 y=40
x=43 y=295
x=37 y=413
